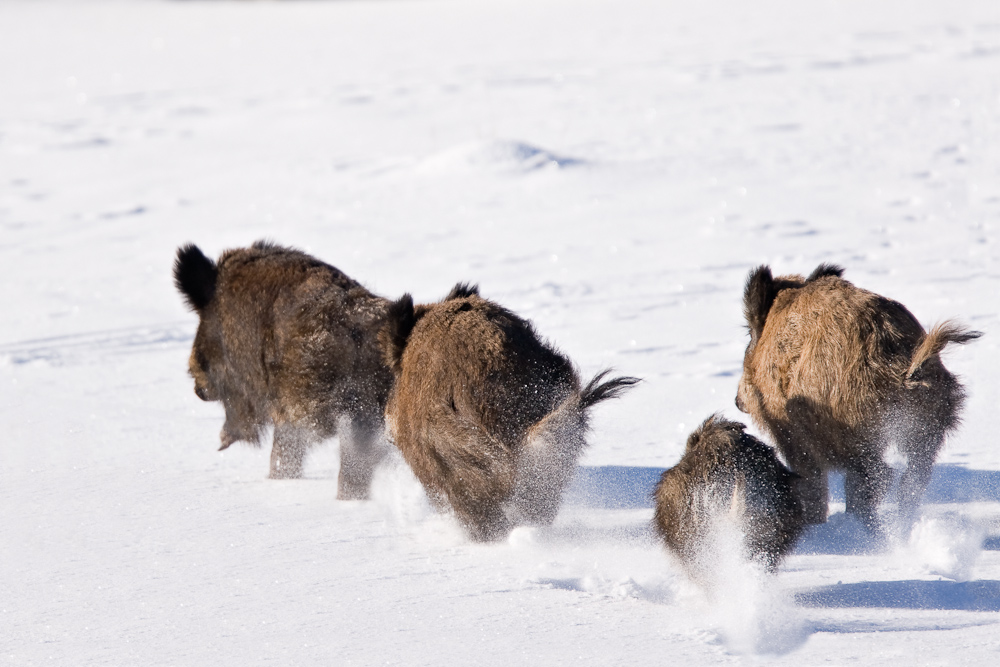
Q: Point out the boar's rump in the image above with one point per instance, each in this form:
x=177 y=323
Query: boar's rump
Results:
x=490 y=418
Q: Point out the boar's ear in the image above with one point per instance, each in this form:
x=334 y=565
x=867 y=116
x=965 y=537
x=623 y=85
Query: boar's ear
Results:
x=399 y=322
x=461 y=291
x=758 y=295
x=696 y=436
x=195 y=276
x=824 y=270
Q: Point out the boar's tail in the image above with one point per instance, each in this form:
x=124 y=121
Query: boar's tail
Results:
x=395 y=333
x=195 y=276
x=597 y=391
x=935 y=340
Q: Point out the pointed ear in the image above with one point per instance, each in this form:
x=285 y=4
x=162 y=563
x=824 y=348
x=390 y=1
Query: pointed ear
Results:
x=395 y=333
x=825 y=269
x=195 y=276
x=461 y=291
x=758 y=295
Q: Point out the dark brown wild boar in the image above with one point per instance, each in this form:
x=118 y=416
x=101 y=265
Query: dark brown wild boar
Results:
x=726 y=474
x=491 y=419
x=835 y=374
x=286 y=340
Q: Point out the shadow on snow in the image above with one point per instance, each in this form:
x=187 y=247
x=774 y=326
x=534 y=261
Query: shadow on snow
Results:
x=631 y=487
x=613 y=487
x=981 y=595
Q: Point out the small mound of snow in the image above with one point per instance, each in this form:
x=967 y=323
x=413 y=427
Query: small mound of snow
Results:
x=615 y=587
x=502 y=156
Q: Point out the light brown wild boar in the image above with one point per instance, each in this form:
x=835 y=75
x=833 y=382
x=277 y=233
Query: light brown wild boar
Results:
x=286 y=340
x=727 y=474
x=835 y=374
x=491 y=419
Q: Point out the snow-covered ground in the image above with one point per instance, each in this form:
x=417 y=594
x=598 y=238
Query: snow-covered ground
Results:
x=610 y=170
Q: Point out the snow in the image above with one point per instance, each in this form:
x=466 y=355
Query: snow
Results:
x=610 y=170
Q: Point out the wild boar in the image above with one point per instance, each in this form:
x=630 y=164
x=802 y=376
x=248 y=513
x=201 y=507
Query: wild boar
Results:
x=491 y=419
x=726 y=473
x=835 y=374
x=286 y=340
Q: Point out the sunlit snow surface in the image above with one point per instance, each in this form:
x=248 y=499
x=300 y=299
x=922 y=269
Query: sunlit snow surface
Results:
x=610 y=170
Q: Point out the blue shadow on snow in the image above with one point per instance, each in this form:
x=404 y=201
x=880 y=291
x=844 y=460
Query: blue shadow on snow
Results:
x=950 y=483
x=613 y=487
x=983 y=595
x=631 y=487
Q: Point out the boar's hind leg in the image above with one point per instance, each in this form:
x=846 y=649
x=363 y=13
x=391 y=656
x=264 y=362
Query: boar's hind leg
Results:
x=921 y=450
x=361 y=449
x=288 y=451
x=865 y=485
x=546 y=465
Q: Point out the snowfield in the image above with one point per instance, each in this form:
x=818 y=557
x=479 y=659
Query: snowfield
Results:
x=609 y=170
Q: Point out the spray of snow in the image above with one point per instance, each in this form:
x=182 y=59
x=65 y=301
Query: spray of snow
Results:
x=397 y=491
x=407 y=508
x=946 y=546
x=751 y=612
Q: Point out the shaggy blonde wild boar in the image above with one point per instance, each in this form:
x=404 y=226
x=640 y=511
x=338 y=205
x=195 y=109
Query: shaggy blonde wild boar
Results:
x=835 y=374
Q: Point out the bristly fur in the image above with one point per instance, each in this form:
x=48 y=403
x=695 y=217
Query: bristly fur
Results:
x=762 y=288
x=399 y=323
x=758 y=295
x=824 y=270
x=195 y=276
x=267 y=245
x=462 y=290
x=596 y=391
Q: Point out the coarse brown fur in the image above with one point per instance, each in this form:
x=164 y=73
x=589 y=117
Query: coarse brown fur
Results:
x=835 y=373
x=286 y=340
x=490 y=418
x=727 y=472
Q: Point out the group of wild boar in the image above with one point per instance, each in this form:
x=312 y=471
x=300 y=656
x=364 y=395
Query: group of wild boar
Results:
x=492 y=420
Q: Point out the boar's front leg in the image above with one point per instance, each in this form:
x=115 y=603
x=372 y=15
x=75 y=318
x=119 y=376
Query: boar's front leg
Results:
x=288 y=451
x=361 y=450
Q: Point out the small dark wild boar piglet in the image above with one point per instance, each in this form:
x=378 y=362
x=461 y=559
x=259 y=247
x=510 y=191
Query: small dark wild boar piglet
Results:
x=836 y=374
x=491 y=419
x=726 y=474
x=286 y=340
